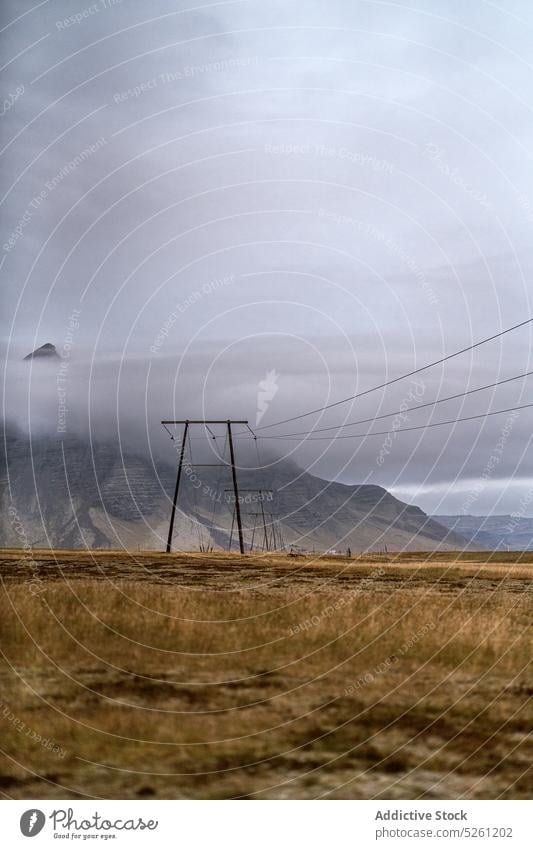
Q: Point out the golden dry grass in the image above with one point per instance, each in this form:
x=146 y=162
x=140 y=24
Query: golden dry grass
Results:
x=213 y=676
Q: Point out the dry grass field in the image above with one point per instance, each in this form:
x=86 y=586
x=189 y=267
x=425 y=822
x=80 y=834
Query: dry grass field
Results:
x=214 y=676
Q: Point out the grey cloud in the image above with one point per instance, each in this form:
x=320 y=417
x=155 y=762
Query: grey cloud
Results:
x=361 y=173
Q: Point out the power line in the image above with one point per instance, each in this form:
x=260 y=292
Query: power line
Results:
x=401 y=377
x=404 y=429
x=409 y=409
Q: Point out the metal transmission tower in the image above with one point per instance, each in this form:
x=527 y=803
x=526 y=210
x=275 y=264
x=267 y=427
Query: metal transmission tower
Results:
x=205 y=423
x=261 y=493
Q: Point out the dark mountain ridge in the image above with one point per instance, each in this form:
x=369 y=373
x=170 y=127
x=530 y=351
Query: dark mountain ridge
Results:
x=46 y=351
x=68 y=492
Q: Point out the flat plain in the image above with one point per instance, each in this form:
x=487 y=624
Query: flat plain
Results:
x=145 y=675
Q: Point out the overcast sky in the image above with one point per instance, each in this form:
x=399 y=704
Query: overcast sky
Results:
x=331 y=193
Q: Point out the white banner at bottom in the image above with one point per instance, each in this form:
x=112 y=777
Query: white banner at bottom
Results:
x=268 y=824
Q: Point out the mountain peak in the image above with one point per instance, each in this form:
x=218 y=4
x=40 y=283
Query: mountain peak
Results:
x=46 y=351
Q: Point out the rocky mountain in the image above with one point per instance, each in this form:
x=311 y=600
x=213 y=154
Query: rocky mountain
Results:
x=494 y=532
x=64 y=491
x=45 y=352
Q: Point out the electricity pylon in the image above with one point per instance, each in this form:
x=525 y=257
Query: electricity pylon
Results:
x=205 y=422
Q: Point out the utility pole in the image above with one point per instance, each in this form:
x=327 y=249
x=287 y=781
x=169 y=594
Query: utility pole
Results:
x=264 y=519
x=176 y=490
x=255 y=516
x=206 y=422
x=235 y=488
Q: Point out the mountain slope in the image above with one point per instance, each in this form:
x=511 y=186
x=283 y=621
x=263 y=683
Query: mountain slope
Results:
x=494 y=532
x=69 y=493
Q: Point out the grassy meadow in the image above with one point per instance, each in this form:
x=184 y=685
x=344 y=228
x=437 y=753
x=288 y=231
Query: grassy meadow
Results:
x=214 y=676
